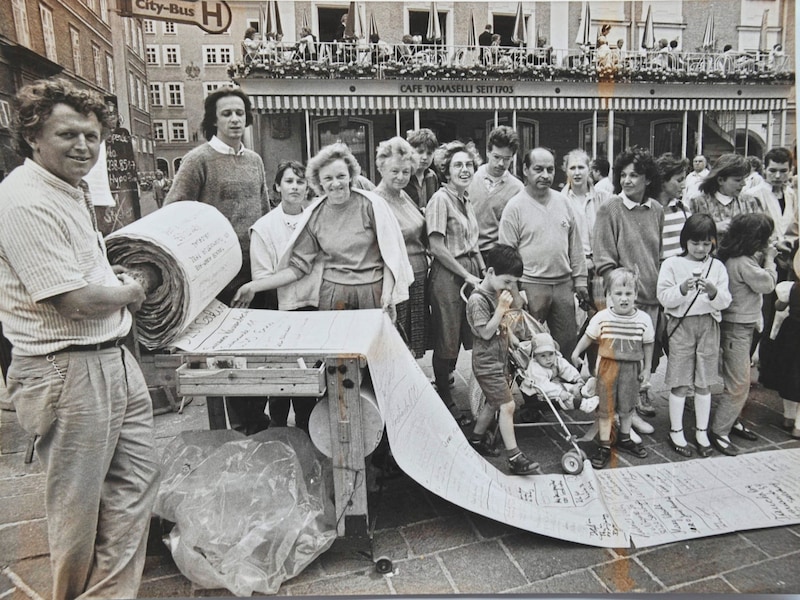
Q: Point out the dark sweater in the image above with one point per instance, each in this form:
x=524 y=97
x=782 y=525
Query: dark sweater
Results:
x=632 y=239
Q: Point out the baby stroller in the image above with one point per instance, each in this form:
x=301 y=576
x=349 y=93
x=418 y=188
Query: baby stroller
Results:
x=524 y=326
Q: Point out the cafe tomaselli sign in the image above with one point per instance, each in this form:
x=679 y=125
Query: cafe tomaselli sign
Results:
x=212 y=16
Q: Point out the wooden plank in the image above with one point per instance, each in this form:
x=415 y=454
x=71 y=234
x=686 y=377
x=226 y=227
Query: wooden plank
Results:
x=288 y=380
x=347 y=445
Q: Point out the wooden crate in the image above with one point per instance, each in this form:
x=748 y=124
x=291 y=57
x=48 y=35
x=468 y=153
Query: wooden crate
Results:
x=251 y=376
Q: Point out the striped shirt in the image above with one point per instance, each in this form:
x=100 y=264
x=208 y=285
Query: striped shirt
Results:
x=675 y=215
x=48 y=246
x=454 y=218
x=621 y=337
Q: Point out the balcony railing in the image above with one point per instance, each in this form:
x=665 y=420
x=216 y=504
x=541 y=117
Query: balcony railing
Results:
x=332 y=60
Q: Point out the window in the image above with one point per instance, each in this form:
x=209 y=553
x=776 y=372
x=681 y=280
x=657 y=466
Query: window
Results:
x=138 y=39
x=97 y=61
x=418 y=25
x=156 y=94
x=210 y=86
x=132 y=87
x=48 y=33
x=666 y=136
x=528 y=132
x=621 y=135
x=169 y=28
x=175 y=94
x=21 y=22
x=177 y=131
x=75 y=39
x=160 y=131
x=356 y=133
x=149 y=27
x=217 y=55
x=127 y=32
x=112 y=84
x=5 y=114
x=172 y=55
x=151 y=54
x=104 y=10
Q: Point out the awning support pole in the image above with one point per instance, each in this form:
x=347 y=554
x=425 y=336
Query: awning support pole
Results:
x=416 y=118
x=770 y=117
x=746 y=132
x=594 y=134
x=684 y=132
x=783 y=127
x=610 y=137
x=700 y=133
x=308 y=134
x=397 y=122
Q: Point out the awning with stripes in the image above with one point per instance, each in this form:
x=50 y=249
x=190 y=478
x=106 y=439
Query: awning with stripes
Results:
x=362 y=104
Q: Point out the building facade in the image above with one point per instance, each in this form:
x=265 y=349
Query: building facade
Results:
x=705 y=101
x=84 y=41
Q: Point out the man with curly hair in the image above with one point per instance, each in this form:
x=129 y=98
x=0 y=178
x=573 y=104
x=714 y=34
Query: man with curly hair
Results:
x=72 y=382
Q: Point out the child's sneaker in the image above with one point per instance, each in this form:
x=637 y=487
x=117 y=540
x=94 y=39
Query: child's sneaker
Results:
x=601 y=457
x=519 y=464
x=631 y=447
x=481 y=447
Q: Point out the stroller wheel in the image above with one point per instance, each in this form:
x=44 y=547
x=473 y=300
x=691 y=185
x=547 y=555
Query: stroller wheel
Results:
x=572 y=462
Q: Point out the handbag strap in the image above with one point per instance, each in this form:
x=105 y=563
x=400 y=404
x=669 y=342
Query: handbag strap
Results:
x=688 y=308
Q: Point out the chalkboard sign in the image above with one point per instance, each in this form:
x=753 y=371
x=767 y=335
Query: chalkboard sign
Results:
x=124 y=183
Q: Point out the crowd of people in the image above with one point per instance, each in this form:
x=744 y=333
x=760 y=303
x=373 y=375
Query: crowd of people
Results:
x=667 y=261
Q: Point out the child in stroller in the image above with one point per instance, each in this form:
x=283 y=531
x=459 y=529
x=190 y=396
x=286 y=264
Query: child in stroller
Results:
x=555 y=376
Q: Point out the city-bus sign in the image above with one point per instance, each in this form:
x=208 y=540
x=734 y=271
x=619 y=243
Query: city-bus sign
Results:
x=212 y=16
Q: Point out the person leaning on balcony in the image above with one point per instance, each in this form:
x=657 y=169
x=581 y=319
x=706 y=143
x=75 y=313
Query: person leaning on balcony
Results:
x=307 y=46
x=719 y=193
x=603 y=56
x=453 y=241
x=251 y=45
x=232 y=179
x=396 y=161
x=424 y=181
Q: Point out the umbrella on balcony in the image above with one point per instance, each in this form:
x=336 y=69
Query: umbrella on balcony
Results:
x=533 y=33
x=304 y=22
x=373 y=26
x=472 y=34
x=272 y=18
x=434 y=33
x=354 y=26
x=584 y=38
x=648 y=36
x=762 y=35
x=519 y=35
x=709 y=37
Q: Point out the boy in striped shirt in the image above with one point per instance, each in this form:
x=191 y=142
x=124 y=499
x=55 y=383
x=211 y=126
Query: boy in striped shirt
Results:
x=625 y=338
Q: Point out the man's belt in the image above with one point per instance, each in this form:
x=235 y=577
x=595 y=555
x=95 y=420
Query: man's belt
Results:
x=116 y=343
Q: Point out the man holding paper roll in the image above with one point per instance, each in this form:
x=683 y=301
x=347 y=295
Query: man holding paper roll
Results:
x=72 y=382
x=232 y=179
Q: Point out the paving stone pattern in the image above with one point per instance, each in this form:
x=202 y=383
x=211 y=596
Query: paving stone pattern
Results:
x=438 y=548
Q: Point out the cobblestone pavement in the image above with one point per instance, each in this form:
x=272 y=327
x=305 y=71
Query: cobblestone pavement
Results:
x=438 y=548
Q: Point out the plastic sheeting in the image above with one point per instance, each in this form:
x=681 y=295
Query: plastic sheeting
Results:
x=249 y=513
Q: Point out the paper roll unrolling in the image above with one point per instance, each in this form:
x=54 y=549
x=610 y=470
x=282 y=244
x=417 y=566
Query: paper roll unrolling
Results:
x=187 y=252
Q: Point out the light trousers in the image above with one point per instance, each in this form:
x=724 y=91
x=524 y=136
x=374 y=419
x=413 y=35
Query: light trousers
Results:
x=94 y=418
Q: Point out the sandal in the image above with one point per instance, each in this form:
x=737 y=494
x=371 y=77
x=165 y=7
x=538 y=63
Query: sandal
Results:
x=684 y=451
x=743 y=432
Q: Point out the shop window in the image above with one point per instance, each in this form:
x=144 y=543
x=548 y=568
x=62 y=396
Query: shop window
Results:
x=621 y=136
x=356 y=133
x=666 y=136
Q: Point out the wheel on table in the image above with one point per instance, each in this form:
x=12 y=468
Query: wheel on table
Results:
x=572 y=462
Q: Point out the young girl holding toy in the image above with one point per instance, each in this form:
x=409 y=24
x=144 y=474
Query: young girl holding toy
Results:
x=750 y=261
x=693 y=289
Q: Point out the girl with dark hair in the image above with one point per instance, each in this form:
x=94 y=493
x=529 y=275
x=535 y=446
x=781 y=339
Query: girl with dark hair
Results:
x=693 y=289
x=719 y=193
x=750 y=261
x=673 y=181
